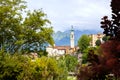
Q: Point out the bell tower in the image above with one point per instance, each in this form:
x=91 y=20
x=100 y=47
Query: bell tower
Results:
x=72 y=38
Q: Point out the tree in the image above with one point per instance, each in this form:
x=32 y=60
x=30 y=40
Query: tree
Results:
x=37 y=33
x=16 y=34
x=10 y=22
x=105 y=38
x=111 y=47
x=86 y=54
x=115 y=6
x=98 y=42
x=108 y=60
x=83 y=42
x=71 y=62
x=112 y=27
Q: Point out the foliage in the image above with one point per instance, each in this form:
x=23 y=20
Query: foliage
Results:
x=63 y=68
x=111 y=52
x=21 y=67
x=84 y=42
x=101 y=63
x=25 y=35
x=10 y=22
x=71 y=78
x=12 y=66
x=108 y=61
x=45 y=69
x=106 y=38
x=37 y=34
x=94 y=69
x=71 y=62
x=112 y=27
x=84 y=73
x=115 y=6
x=98 y=42
x=86 y=53
x=67 y=63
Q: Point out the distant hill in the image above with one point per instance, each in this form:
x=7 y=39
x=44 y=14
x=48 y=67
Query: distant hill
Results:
x=63 y=38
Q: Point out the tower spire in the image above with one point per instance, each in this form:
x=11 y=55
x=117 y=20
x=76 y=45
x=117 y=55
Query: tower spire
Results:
x=72 y=37
x=72 y=28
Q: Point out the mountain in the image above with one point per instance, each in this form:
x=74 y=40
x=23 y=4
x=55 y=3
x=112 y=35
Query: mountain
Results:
x=63 y=38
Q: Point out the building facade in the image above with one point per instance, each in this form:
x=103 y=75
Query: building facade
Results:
x=94 y=38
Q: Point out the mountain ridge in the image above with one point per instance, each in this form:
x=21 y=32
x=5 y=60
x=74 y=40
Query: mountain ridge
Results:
x=63 y=38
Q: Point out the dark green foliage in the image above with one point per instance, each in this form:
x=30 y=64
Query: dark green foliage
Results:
x=106 y=38
x=98 y=42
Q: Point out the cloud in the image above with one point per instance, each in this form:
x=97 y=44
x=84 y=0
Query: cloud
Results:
x=86 y=14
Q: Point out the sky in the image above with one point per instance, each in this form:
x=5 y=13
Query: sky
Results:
x=81 y=14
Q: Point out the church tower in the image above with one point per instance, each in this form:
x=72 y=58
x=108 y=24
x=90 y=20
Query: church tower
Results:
x=72 y=38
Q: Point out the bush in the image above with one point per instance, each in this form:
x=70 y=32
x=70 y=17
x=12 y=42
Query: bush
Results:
x=21 y=67
x=12 y=66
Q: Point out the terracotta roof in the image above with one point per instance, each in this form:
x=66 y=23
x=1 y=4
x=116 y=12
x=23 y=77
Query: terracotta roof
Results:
x=62 y=47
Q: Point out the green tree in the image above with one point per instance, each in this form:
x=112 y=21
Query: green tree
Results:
x=10 y=22
x=71 y=62
x=98 y=42
x=16 y=34
x=84 y=42
x=37 y=32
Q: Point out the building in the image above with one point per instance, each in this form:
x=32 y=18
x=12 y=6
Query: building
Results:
x=61 y=50
x=72 y=45
x=94 y=38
